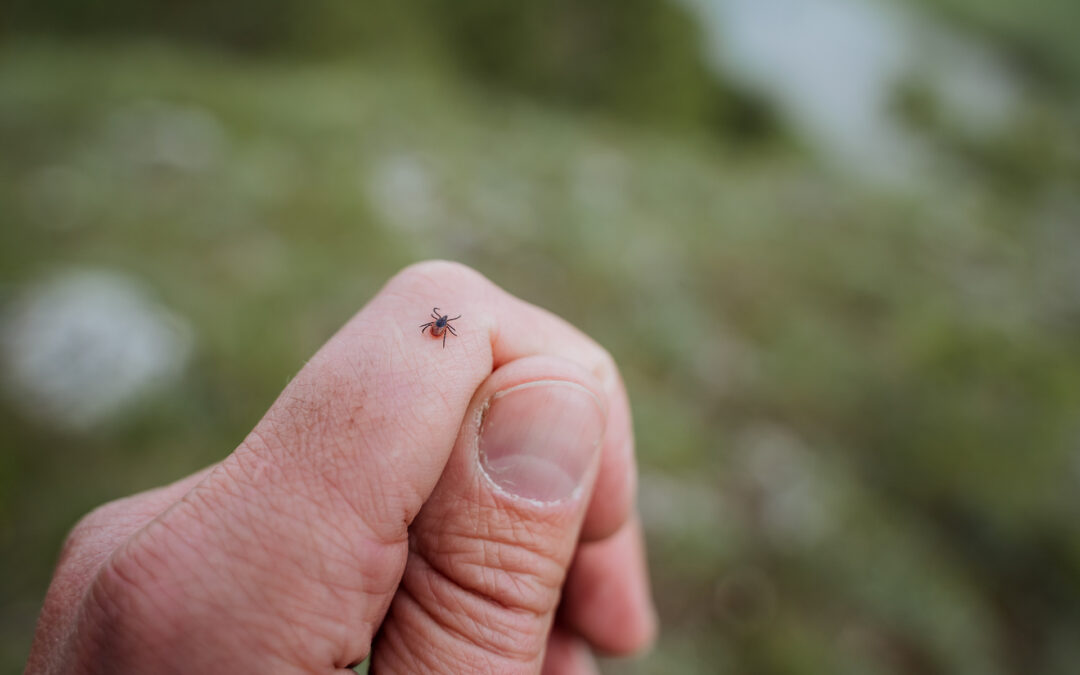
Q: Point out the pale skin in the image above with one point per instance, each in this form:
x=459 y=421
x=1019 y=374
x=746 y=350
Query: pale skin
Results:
x=353 y=521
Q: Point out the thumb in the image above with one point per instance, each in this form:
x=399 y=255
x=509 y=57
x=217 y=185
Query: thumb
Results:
x=489 y=551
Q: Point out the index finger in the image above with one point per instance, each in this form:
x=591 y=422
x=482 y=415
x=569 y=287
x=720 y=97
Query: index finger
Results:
x=379 y=383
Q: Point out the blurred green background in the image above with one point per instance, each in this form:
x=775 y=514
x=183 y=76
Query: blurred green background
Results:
x=834 y=245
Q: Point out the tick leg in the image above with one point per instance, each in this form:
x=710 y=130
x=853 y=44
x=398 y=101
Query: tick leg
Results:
x=444 y=340
x=451 y=329
x=455 y=318
x=424 y=327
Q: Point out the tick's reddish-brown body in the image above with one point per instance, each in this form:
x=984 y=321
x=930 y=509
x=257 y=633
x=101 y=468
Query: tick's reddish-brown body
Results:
x=440 y=326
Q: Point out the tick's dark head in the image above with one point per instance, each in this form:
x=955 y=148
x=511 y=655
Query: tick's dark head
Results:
x=441 y=322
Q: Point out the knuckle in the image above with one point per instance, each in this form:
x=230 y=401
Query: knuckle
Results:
x=97 y=525
x=445 y=273
x=83 y=531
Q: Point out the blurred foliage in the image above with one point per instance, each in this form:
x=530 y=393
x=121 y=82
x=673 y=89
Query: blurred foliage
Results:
x=855 y=405
x=1040 y=35
x=639 y=59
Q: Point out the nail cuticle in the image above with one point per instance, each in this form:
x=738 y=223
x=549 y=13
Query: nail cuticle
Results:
x=545 y=383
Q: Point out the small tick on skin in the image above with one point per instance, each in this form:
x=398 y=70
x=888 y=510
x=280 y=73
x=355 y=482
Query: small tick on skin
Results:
x=440 y=326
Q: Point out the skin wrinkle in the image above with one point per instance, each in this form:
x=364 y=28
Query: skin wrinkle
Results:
x=444 y=398
x=300 y=597
x=526 y=530
x=397 y=503
x=444 y=554
x=490 y=633
x=236 y=545
x=237 y=536
x=264 y=638
x=299 y=620
x=468 y=634
x=120 y=595
x=310 y=644
x=301 y=413
x=500 y=544
x=165 y=552
x=362 y=365
x=518 y=575
x=315 y=539
x=87 y=548
x=267 y=644
x=329 y=485
x=334 y=483
x=349 y=563
x=327 y=481
x=265 y=447
x=429 y=566
x=198 y=599
x=481 y=611
x=212 y=495
x=342 y=534
x=88 y=634
x=93 y=640
x=268 y=639
x=322 y=580
x=164 y=513
x=522 y=530
x=407 y=366
x=519 y=580
x=394 y=642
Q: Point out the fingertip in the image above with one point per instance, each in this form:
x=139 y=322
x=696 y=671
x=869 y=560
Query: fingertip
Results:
x=568 y=654
x=607 y=599
x=436 y=269
x=455 y=281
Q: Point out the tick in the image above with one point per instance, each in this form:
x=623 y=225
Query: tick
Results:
x=440 y=326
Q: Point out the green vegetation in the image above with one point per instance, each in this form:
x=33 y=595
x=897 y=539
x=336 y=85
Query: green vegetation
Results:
x=856 y=406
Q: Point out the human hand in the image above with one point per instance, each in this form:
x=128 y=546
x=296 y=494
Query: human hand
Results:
x=427 y=506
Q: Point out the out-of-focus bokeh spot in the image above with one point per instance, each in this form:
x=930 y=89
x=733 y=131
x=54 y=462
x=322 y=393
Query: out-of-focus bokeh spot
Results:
x=832 y=67
x=834 y=246
x=86 y=345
